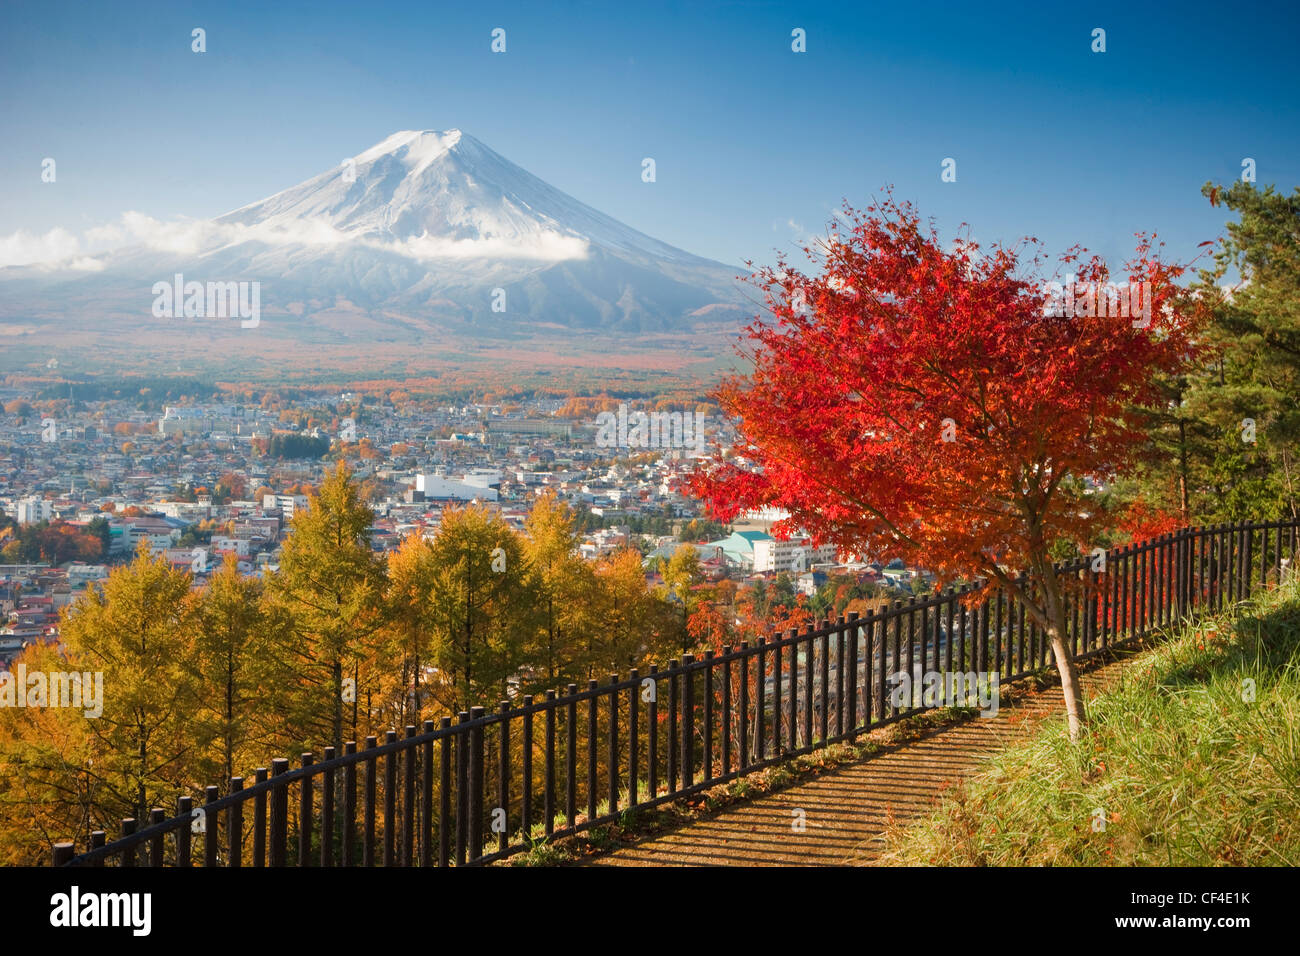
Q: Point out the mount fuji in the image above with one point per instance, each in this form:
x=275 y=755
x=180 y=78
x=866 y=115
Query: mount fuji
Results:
x=423 y=233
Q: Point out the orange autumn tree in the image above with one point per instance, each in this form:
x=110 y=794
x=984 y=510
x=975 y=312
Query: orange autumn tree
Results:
x=920 y=401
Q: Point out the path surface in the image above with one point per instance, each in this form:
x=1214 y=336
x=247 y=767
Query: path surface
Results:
x=846 y=810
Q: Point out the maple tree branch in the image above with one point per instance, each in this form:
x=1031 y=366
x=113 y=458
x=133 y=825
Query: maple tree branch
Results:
x=1016 y=589
x=898 y=532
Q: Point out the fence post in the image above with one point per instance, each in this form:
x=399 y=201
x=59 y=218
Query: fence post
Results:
x=1263 y=554
x=368 y=813
x=707 y=767
x=851 y=678
x=1175 y=578
x=279 y=812
x=1196 y=585
x=184 y=807
x=744 y=706
x=633 y=714
x=896 y=654
x=688 y=722
x=1176 y=586
x=1291 y=546
x=819 y=679
x=235 y=826
x=327 y=799
x=444 y=795
x=349 y=805
x=1230 y=562
x=304 y=814
x=1184 y=575
x=652 y=734
x=841 y=691
x=613 y=745
x=726 y=723
x=793 y=703
x=503 y=777
x=1162 y=580
x=408 y=799
x=526 y=806
x=592 y=704
x=390 y=801
x=778 y=708
x=876 y=683
x=462 y=789
x=1124 y=610
x=1202 y=551
x=672 y=726
x=475 y=784
x=156 y=816
x=1240 y=536
x=548 y=795
x=128 y=854
x=426 y=798
x=760 y=691
x=571 y=757
x=259 y=820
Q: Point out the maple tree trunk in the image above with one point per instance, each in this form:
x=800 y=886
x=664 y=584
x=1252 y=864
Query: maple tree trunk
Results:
x=1071 y=686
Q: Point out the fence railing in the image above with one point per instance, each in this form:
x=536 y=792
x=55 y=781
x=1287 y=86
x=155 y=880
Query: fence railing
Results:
x=493 y=783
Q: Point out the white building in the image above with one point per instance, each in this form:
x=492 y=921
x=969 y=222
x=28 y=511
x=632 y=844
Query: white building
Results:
x=32 y=510
x=287 y=504
x=80 y=574
x=759 y=552
x=438 y=488
x=483 y=477
x=183 y=420
x=797 y=554
x=238 y=546
x=158 y=543
x=185 y=510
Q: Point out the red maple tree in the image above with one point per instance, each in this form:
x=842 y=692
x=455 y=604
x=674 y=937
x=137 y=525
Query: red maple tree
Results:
x=916 y=401
x=1143 y=521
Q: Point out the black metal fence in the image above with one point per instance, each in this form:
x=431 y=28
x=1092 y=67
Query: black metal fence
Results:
x=493 y=783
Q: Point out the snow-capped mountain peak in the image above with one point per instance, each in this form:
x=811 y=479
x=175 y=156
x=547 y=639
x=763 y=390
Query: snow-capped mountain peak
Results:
x=415 y=147
x=419 y=186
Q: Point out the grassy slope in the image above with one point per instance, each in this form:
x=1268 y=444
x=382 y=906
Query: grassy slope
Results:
x=1186 y=771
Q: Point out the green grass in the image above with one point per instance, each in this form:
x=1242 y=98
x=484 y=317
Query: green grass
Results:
x=1180 y=766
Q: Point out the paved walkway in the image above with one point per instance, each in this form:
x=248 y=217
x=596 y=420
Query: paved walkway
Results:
x=846 y=810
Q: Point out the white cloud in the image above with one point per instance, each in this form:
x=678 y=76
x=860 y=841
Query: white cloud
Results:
x=546 y=246
x=24 y=248
x=105 y=234
x=60 y=248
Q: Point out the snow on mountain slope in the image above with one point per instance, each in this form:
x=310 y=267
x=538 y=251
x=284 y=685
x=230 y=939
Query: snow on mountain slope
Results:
x=446 y=194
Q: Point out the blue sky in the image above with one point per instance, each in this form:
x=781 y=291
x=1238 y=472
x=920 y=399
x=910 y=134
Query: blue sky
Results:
x=754 y=144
